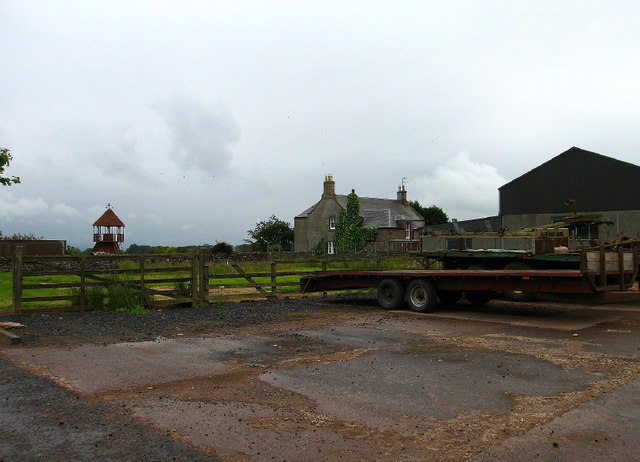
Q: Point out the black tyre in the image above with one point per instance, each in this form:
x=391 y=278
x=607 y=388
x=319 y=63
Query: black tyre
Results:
x=421 y=296
x=479 y=297
x=449 y=297
x=518 y=295
x=390 y=294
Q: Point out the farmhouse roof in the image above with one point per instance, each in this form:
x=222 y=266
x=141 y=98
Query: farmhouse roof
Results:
x=376 y=213
x=108 y=218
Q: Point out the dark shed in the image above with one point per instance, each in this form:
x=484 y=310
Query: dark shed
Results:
x=594 y=181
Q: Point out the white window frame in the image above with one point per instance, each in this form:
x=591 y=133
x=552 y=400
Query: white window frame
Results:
x=407 y=230
x=331 y=249
x=332 y=222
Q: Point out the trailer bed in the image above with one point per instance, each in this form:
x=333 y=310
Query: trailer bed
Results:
x=600 y=272
x=558 y=281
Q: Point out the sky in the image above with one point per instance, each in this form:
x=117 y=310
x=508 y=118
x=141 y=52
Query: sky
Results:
x=195 y=120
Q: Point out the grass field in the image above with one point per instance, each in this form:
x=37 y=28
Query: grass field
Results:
x=226 y=282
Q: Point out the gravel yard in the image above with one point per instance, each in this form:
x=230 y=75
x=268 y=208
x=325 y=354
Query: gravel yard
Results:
x=324 y=379
x=112 y=327
x=40 y=420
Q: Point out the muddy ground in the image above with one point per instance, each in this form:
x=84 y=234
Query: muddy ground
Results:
x=325 y=379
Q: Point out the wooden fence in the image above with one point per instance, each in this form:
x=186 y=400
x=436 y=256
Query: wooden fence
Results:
x=71 y=282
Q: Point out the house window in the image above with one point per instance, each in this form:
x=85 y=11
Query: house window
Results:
x=330 y=248
x=407 y=230
x=332 y=222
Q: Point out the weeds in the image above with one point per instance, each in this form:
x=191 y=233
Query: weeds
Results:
x=94 y=296
x=183 y=289
x=134 y=310
x=124 y=295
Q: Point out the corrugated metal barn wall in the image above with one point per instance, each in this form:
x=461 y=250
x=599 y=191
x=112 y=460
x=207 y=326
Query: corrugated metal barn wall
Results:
x=594 y=181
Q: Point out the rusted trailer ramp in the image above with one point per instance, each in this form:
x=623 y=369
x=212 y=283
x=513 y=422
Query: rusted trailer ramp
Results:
x=601 y=272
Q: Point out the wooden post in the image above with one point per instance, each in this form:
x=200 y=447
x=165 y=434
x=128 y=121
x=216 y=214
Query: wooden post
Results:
x=142 y=298
x=83 y=283
x=17 y=279
x=201 y=279
x=621 y=268
x=274 y=285
x=603 y=267
x=324 y=270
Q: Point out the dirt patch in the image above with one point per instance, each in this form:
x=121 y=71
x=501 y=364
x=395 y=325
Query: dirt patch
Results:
x=326 y=381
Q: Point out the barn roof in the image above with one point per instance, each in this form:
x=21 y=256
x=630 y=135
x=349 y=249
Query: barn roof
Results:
x=108 y=218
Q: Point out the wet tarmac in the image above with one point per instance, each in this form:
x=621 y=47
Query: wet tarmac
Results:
x=536 y=382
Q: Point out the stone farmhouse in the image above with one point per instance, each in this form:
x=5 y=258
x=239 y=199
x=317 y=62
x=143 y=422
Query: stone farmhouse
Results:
x=398 y=224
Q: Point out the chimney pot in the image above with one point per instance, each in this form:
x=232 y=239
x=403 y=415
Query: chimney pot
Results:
x=329 y=189
x=402 y=195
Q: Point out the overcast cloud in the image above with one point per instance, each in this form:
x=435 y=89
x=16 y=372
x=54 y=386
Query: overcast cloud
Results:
x=201 y=136
x=196 y=120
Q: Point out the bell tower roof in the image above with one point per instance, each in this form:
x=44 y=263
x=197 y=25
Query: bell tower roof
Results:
x=108 y=218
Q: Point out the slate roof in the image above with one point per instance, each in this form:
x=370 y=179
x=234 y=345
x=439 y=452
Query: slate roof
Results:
x=476 y=225
x=108 y=218
x=376 y=213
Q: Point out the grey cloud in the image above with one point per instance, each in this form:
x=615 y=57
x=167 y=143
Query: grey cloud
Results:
x=201 y=134
x=111 y=152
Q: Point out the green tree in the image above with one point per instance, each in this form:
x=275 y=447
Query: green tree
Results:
x=222 y=248
x=432 y=215
x=350 y=236
x=271 y=235
x=5 y=159
x=136 y=249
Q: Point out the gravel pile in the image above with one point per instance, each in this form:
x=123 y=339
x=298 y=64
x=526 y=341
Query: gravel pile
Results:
x=114 y=327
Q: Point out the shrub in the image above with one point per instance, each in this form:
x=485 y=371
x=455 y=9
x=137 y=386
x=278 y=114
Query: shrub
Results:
x=183 y=289
x=222 y=248
x=123 y=294
x=94 y=296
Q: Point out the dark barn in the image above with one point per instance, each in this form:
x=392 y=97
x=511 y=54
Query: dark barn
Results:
x=576 y=181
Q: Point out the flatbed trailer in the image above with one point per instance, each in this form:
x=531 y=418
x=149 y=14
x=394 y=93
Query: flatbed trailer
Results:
x=421 y=289
x=498 y=259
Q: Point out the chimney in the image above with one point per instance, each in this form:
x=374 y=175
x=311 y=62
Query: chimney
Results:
x=402 y=195
x=329 y=187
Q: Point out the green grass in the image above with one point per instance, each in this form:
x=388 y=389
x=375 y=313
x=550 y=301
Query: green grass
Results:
x=134 y=310
x=219 y=275
x=6 y=290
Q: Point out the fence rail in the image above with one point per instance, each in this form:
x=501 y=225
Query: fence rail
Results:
x=196 y=279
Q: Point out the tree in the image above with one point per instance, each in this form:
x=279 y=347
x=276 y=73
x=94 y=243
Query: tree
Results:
x=5 y=159
x=432 y=215
x=136 y=249
x=271 y=235
x=222 y=248
x=23 y=237
x=350 y=237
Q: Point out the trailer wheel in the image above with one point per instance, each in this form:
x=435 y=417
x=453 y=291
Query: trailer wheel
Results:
x=479 y=297
x=449 y=297
x=422 y=296
x=390 y=294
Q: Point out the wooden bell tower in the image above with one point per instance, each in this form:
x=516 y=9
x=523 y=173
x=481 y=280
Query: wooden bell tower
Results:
x=108 y=233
